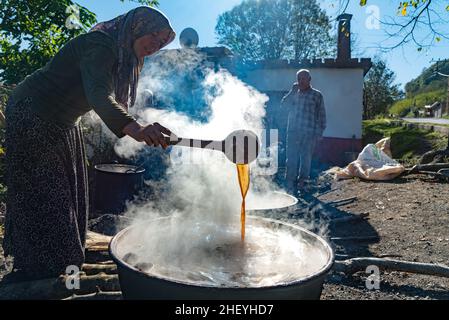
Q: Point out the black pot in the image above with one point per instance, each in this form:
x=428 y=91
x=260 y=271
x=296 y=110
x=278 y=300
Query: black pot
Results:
x=137 y=285
x=114 y=185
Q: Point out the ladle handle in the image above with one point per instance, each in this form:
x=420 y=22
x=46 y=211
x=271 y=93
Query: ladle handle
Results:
x=196 y=143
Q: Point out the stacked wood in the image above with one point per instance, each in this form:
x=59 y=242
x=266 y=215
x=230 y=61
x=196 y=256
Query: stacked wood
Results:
x=98 y=279
x=59 y=288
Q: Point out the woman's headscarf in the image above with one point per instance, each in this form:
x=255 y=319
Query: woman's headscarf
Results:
x=125 y=29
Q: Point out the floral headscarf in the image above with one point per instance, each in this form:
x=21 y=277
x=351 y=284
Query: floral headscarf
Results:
x=125 y=29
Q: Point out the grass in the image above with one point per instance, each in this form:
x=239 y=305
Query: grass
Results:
x=407 y=144
x=403 y=107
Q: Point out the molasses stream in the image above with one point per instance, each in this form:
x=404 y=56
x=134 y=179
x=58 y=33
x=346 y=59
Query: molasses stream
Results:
x=240 y=147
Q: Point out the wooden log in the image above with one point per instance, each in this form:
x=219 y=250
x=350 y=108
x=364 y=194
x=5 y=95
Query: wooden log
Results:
x=56 y=288
x=97 y=242
x=428 y=167
x=115 y=295
x=354 y=265
x=97 y=257
x=359 y=239
x=91 y=269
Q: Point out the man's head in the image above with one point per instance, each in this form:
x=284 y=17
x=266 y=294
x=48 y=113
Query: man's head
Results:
x=303 y=77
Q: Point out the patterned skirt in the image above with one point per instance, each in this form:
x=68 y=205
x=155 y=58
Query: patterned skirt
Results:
x=47 y=197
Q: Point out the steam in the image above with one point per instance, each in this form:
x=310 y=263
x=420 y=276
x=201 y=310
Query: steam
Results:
x=202 y=184
x=200 y=194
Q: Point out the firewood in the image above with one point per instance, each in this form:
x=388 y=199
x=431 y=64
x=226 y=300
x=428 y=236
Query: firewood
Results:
x=91 y=269
x=115 y=295
x=359 y=239
x=56 y=288
x=354 y=265
x=97 y=242
x=428 y=167
x=96 y=257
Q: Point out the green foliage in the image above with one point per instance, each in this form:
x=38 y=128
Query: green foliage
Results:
x=406 y=143
x=403 y=107
x=32 y=32
x=429 y=80
x=276 y=29
x=426 y=89
x=380 y=90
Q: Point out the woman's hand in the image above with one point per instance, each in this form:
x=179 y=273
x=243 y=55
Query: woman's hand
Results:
x=152 y=134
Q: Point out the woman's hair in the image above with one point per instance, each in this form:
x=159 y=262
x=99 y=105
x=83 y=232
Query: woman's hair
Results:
x=125 y=29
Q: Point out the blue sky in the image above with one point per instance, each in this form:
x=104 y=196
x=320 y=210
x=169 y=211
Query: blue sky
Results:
x=407 y=62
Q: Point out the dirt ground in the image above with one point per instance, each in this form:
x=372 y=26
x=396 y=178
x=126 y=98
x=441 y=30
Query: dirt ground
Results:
x=410 y=215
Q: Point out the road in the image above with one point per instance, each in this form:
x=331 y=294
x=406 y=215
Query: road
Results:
x=427 y=120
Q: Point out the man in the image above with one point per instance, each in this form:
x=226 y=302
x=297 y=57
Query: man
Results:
x=303 y=108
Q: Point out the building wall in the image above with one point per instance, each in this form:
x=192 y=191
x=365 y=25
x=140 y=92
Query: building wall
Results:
x=343 y=96
x=342 y=90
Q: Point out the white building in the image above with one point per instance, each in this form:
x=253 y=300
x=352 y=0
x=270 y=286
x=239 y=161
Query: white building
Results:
x=341 y=82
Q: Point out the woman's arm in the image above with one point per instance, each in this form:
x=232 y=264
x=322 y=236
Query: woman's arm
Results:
x=152 y=134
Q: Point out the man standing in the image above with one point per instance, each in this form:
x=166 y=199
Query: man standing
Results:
x=304 y=110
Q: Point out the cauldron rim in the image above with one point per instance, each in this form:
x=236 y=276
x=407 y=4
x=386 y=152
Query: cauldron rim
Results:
x=132 y=169
x=294 y=203
x=324 y=270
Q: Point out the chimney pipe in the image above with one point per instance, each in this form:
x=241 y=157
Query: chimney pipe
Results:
x=344 y=37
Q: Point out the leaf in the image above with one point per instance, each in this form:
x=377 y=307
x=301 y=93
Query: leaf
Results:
x=363 y=2
x=404 y=10
x=438 y=39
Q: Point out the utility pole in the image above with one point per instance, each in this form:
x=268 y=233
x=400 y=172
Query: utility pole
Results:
x=446 y=109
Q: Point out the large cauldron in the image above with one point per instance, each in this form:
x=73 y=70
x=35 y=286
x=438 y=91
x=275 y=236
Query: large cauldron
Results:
x=136 y=284
x=270 y=204
x=114 y=185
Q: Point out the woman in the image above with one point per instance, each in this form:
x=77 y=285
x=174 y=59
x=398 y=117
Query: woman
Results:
x=47 y=200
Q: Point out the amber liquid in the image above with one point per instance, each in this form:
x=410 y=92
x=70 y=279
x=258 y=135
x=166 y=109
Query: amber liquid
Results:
x=243 y=173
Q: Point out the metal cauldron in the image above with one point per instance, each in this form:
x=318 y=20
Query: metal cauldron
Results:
x=270 y=204
x=138 y=285
x=114 y=185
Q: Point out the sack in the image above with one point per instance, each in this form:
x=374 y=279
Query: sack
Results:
x=372 y=164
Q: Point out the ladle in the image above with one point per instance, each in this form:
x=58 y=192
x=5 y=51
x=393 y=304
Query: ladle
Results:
x=240 y=147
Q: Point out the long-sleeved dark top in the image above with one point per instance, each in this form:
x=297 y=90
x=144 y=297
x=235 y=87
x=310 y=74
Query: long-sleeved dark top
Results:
x=77 y=79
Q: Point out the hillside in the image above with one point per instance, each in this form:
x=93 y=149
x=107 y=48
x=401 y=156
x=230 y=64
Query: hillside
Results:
x=426 y=89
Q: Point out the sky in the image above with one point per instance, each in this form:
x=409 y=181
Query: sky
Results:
x=406 y=61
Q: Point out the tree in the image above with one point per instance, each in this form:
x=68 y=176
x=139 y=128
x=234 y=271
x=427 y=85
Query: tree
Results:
x=32 y=31
x=422 y=22
x=276 y=29
x=380 y=90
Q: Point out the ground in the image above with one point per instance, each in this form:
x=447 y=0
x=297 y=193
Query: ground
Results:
x=411 y=217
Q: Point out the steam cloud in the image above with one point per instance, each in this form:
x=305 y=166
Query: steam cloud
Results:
x=201 y=192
